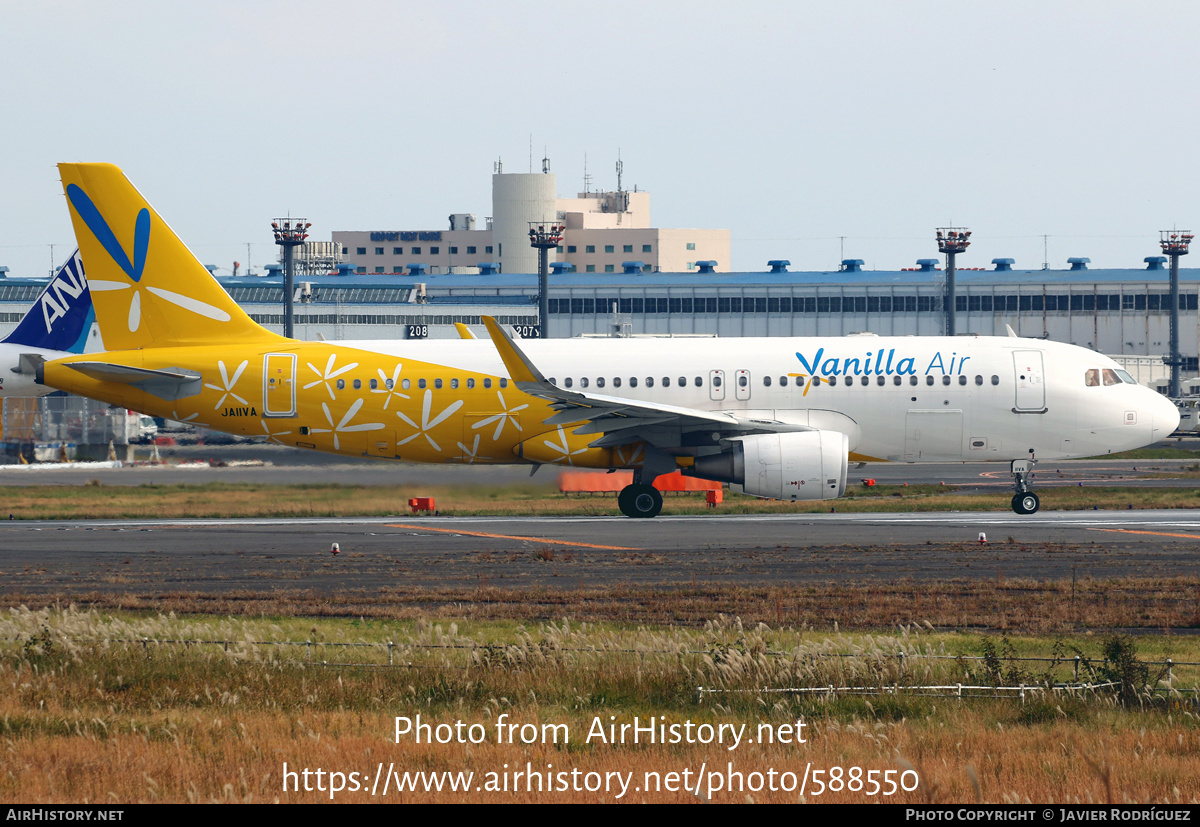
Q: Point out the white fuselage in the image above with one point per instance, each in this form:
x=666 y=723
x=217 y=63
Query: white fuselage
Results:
x=898 y=398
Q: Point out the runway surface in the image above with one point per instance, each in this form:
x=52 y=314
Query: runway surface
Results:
x=151 y=558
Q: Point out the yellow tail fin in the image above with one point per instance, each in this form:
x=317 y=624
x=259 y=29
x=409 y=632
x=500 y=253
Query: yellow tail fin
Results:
x=148 y=288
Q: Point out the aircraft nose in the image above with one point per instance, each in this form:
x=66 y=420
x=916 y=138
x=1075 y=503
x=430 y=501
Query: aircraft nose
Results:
x=1165 y=416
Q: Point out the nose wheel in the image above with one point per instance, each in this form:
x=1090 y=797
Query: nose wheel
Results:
x=639 y=500
x=1024 y=501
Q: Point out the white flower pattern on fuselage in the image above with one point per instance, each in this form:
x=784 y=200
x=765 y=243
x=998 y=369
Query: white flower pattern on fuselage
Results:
x=392 y=389
x=505 y=416
x=227 y=384
x=329 y=374
x=428 y=424
x=343 y=427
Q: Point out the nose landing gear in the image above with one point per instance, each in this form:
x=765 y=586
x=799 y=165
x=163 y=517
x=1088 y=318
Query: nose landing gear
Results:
x=1024 y=501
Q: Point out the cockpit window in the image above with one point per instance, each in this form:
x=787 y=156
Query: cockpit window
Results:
x=1110 y=377
x=1091 y=377
x=1125 y=377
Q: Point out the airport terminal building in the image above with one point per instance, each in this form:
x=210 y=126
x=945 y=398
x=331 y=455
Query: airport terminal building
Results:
x=1124 y=313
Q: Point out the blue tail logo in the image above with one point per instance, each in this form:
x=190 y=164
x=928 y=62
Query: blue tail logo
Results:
x=61 y=317
x=108 y=239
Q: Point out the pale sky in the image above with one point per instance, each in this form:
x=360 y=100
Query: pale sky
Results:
x=792 y=124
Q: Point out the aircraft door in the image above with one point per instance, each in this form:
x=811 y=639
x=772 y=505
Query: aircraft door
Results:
x=716 y=385
x=1030 y=381
x=742 y=387
x=279 y=384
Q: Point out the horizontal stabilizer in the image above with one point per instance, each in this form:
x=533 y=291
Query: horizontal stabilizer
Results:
x=169 y=384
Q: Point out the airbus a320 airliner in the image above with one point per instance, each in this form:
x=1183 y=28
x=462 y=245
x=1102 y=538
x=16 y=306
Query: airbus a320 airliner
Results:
x=773 y=417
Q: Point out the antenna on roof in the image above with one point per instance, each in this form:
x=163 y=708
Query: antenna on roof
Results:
x=587 y=179
x=545 y=162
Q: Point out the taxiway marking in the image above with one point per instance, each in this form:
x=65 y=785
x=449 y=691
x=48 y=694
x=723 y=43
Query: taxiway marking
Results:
x=511 y=537
x=1155 y=533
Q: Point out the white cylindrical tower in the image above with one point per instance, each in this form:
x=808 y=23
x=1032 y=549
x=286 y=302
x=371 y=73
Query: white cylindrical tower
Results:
x=517 y=199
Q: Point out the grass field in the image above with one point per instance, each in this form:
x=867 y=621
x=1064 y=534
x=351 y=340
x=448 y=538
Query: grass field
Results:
x=99 y=502
x=98 y=708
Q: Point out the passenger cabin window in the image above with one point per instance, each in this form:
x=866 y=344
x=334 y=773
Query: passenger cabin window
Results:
x=437 y=383
x=767 y=381
x=866 y=380
x=743 y=381
x=404 y=383
x=928 y=379
x=599 y=381
x=341 y=384
x=649 y=381
x=420 y=383
x=962 y=379
x=699 y=382
x=470 y=383
x=832 y=380
x=487 y=382
x=504 y=381
x=568 y=382
x=583 y=383
x=454 y=383
x=995 y=379
x=616 y=381
x=716 y=381
x=896 y=380
x=633 y=381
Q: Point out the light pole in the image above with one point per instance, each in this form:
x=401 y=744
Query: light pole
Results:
x=543 y=235
x=951 y=241
x=289 y=234
x=1175 y=244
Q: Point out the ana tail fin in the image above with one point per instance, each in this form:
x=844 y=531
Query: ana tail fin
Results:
x=61 y=317
x=148 y=288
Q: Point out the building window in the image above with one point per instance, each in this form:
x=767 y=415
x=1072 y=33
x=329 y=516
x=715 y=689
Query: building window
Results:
x=591 y=268
x=558 y=249
x=570 y=248
x=591 y=248
x=378 y=269
x=378 y=251
x=397 y=251
x=628 y=248
x=691 y=245
x=433 y=251
x=608 y=268
x=362 y=271
x=453 y=251
x=608 y=248
x=470 y=251
x=416 y=251
x=691 y=265
x=361 y=251
x=646 y=248
x=488 y=249
x=345 y=251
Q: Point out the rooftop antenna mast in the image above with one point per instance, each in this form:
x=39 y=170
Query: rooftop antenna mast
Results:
x=545 y=162
x=587 y=179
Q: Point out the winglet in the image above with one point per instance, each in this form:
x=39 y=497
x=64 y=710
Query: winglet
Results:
x=518 y=364
x=1012 y=334
x=464 y=332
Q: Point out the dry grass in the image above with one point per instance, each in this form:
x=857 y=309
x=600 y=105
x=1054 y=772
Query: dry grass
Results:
x=85 y=720
x=212 y=500
x=999 y=604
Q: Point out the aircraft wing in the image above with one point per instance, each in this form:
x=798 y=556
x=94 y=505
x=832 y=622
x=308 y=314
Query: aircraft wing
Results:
x=620 y=420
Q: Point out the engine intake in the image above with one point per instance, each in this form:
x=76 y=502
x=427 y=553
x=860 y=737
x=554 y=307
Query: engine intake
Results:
x=806 y=465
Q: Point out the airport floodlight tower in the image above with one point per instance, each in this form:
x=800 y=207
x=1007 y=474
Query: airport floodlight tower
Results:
x=290 y=233
x=1175 y=244
x=543 y=235
x=951 y=241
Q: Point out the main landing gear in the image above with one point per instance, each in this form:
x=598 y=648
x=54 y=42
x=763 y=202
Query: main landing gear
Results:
x=638 y=500
x=1024 y=501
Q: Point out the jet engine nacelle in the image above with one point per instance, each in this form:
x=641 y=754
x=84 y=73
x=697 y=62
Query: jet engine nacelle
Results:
x=807 y=465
